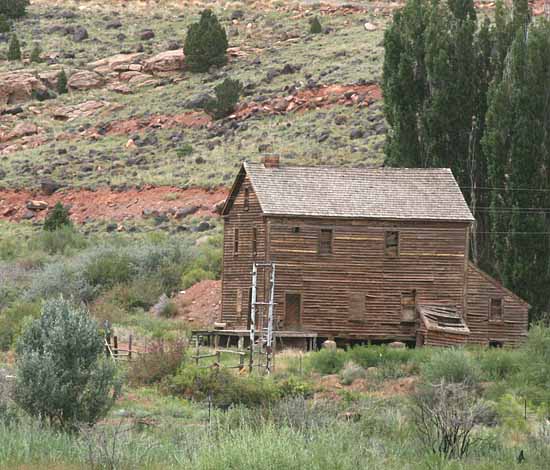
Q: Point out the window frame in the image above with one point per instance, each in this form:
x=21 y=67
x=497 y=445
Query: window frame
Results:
x=320 y=244
x=490 y=313
x=236 y=236
x=254 y=241
x=246 y=195
x=387 y=254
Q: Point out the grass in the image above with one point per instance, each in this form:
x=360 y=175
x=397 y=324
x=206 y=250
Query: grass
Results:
x=345 y=55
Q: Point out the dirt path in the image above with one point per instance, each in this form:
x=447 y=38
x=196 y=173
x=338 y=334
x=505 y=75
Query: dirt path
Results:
x=105 y=204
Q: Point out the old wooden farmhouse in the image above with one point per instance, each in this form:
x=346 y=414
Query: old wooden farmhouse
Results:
x=362 y=254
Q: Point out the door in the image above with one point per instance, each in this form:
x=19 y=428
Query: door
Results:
x=293 y=311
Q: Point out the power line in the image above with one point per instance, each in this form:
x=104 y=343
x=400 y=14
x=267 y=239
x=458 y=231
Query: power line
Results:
x=488 y=188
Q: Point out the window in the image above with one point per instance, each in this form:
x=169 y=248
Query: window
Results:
x=392 y=244
x=408 y=306
x=254 y=240
x=325 y=242
x=246 y=199
x=495 y=310
x=357 y=307
x=236 y=241
x=295 y=229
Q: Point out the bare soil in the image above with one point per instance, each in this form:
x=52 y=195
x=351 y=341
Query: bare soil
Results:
x=106 y=204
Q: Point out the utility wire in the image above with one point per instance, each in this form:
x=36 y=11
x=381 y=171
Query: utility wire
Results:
x=488 y=188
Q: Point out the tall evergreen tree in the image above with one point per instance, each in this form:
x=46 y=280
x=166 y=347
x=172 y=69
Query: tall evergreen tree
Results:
x=517 y=144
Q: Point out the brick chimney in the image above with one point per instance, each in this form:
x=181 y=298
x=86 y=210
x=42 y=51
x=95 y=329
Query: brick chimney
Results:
x=271 y=161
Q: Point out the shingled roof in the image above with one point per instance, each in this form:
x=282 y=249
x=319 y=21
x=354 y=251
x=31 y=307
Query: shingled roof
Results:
x=379 y=193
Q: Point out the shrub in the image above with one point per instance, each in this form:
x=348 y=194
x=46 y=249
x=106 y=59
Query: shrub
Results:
x=205 y=44
x=227 y=96
x=445 y=416
x=535 y=371
x=14 y=49
x=62 y=374
x=163 y=359
x=374 y=356
x=14 y=8
x=108 y=268
x=195 y=275
x=451 y=366
x=12 y=320
x=57 y=217
x=169 y=309
x=35 y=53
x=5 y=25
x=62 y=82
x=315 y=26
x=351 y=372
x=327 y=361
x=184 y=150
x=498 y=364
x=223 y=388
x=61 y=240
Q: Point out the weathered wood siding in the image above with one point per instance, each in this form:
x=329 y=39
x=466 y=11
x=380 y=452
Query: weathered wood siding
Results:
x=237 y=267
x=356 y=291
x=512 y=330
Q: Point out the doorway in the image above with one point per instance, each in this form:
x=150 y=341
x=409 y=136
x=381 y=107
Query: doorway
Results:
x=293 y=310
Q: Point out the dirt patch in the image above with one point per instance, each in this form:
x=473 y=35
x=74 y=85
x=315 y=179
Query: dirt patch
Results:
x=314 y=98
x=200 y=305
x=106 y=204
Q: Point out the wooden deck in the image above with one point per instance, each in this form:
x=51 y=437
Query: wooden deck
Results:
x=283 y=338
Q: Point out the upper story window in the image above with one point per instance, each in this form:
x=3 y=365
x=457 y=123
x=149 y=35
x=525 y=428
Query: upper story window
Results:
x=496 y=309
x=246 y=198
x=325 y=241
x=391 y=248
x=254 y=240
x=236 y=241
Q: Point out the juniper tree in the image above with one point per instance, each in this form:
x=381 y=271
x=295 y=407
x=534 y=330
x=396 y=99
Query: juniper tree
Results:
x=58 y=217
x=315 y=26
x=206 y=43
x=62 y=82
x=14 y=49
x=227 y=96
x=14 y=8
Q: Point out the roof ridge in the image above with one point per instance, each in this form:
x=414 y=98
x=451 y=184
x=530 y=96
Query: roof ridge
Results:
x=340 y=167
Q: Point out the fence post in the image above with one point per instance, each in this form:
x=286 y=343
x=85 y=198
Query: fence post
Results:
x=525 y=408
x=130 y=348
x=115 y=343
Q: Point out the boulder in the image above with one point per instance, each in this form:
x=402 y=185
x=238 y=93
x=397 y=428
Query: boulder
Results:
x=397 y=345
x=19 y=86
x=36 y=205
x=329 y=344
x=80 y=34
x=22 y=129
x=218 y=207
x=116 y=63
x=49 y=186
x=185 y=211
x=85 y=80
x=168 y=61
x=146 y=34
